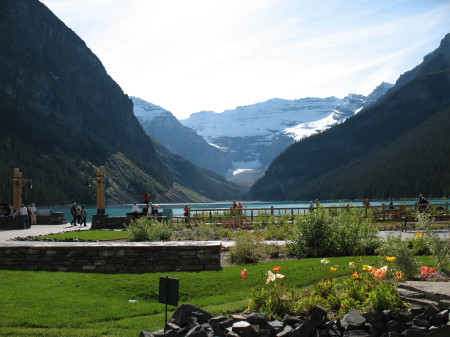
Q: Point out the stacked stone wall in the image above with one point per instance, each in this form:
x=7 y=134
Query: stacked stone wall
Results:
x=130 y=258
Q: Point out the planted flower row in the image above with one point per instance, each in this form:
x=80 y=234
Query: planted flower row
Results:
x=366 y=288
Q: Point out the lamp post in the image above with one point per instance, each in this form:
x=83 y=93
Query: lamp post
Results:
x=17 y=188
x=100 y=189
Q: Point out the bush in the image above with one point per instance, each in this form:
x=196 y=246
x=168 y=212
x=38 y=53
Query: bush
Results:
x=144 y=229
x=247 y=248
x=439 y=247
x=312 y=233
x=405 y=261
x=338 y=232
x=354 y=233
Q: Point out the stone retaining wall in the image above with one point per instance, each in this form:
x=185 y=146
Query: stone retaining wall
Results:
x=111 y=258
x=104 y=221
x=11 y=222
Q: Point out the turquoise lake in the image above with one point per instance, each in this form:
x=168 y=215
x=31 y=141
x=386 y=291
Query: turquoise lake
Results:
x=177 y=208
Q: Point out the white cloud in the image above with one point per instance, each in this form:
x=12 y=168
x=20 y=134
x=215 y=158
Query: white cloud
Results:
x=188 y=56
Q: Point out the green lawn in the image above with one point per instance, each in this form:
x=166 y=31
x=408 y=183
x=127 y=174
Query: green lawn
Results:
x=86 y=304
x=90 y=235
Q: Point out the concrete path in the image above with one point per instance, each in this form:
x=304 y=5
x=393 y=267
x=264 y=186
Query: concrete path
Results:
x=7 y=236
x=37 y=230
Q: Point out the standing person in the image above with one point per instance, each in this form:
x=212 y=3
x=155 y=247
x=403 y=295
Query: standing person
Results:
x=186 y=213
x=33 y=214
x=83 y=215
x=423 y=202
x=79 y=214
x=73 y=211
x=317 y=203
x=239 y=208
x=311 y=207
x=391 y=204
x=146 y=198
x=24 y=215
x=29 y=215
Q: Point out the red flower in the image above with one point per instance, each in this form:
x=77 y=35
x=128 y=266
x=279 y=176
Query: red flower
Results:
x=244 y=274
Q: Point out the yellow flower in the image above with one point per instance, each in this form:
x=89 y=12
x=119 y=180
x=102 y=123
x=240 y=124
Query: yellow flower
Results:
x=352 y=265
x=355 y=275
x=324 y=261
x=390 y=258
x=370 y=269
x=333 y=269
x=418 y=235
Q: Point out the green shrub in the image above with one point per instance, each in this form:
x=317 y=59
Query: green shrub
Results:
x=354 y=233
x=439 y=247
x=144 y=229
x=247 y=248
x=336 y=232
x=405 y=261
x=311 y=234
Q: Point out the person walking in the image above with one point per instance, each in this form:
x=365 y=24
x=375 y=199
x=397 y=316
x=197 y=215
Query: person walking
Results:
x=73 y=211
x=83 y=215
x=23 y=212
x=33 y=214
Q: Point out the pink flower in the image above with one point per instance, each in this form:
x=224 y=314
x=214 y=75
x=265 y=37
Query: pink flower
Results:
x=244 y=274
x=381 y=273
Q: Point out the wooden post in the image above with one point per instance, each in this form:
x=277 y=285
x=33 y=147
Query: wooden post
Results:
x=271 y=210
x=100 y=189
x=17 y=189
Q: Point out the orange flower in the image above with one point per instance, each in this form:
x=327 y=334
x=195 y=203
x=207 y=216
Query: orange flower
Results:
x=244 y=274
x=355 y=275
x=381 y=273
x=399 y=275
x=276 y=269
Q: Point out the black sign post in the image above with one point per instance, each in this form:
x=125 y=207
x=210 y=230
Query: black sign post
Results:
x=168 y=293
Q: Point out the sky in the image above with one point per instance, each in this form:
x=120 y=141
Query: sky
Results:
x=193 y=55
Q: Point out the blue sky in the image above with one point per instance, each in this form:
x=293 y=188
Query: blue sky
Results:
x=188 y=56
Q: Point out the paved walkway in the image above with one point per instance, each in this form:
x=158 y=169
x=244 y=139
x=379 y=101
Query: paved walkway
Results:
x=7 y=236
x=37 y=230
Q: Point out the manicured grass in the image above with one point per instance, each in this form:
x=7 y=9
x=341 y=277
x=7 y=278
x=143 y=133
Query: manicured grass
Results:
x=87 y=304
x=90 y=235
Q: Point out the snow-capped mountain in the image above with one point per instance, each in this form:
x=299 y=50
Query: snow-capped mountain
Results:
x=255 y=134
x=240 y=143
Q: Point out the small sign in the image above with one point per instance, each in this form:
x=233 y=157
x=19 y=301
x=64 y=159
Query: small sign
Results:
x=169 y=290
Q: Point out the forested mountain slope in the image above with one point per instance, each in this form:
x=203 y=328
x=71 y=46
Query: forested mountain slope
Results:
x=345 y=161
x=63 y=116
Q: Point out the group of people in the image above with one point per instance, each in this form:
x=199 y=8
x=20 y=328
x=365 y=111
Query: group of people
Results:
x=311 y=205
x=236 y=208
x=79 y=214
x=28 y=215
x=150 y=209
